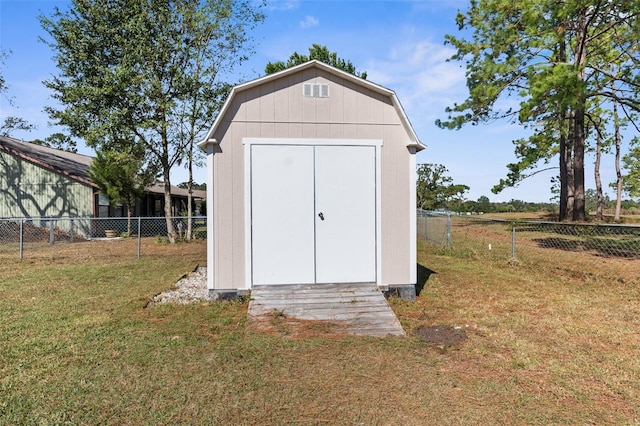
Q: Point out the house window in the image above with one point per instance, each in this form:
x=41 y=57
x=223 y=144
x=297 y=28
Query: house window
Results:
x=103 y=205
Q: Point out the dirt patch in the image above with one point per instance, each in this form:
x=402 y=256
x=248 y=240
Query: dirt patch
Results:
x=279 y=324
x=441 y=335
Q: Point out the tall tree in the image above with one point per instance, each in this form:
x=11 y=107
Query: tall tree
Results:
x=597 y=123
x=551 y=55
x=320 y=53
x=147 y=68
x=435 y=189
x=618 y=143
x=484 y=204
x=598 y=179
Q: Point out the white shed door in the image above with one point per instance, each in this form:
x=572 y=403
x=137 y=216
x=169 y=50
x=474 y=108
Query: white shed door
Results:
x=346 y=199
x=282 y=214
x=313 y=214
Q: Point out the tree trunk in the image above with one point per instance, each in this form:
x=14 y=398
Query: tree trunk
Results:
x=166 y=171
x=564 y=125
x=168 y=211
x=566 y=168
x=618 y=141
x=578 y=166
x=578 y=123
x=564 y=179
x=596 y=172
x=128 y=220
x=189 y=212
x=190 y=193
x=570 y=176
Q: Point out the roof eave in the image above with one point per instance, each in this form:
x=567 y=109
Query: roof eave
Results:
x=206 y=142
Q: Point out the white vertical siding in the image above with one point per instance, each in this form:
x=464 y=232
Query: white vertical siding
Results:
x=277 y=109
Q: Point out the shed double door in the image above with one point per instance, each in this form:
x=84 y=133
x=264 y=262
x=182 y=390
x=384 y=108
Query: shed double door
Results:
x=313 y=214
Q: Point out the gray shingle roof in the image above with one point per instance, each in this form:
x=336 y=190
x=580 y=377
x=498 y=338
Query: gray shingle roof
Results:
x=74 y=166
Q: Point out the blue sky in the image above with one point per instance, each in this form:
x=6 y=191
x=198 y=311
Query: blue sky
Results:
x=400 y=44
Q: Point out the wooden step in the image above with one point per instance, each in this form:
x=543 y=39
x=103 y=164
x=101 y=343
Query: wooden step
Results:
x=361 y=307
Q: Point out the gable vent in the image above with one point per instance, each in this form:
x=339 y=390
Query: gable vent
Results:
x=315 y=90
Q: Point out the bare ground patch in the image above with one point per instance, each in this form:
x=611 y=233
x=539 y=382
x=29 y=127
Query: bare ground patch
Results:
x=278 y=323
x=441 y=335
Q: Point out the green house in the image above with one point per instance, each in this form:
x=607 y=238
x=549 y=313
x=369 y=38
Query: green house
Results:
x=37 y=181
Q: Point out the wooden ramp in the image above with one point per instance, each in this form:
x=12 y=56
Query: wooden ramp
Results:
x=361 y=307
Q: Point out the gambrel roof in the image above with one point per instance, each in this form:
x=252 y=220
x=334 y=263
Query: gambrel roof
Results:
x=414 y=141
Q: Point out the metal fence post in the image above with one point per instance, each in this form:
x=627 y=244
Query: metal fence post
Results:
x=513 y=241
x=449 y=231
x=425 y=223
x=21 y=237
x=71 y=229
x=51 y=238
x=139 y=223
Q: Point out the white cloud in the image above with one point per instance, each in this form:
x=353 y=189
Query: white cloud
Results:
x=421 y=76
x=308 y=22
x=282 y=4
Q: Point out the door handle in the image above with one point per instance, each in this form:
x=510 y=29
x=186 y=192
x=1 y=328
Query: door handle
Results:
x=321 y=216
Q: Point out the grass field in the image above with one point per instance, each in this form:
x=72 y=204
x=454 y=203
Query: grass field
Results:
x=551 y=340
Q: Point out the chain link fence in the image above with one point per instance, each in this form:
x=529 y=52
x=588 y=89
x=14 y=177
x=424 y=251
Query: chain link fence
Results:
x=19 y=234
x=435 y=227
x=509 y=238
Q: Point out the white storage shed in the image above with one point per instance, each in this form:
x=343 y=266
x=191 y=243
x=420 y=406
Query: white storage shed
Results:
x=311 y=179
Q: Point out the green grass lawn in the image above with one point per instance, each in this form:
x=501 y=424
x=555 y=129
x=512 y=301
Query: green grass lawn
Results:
x=550 y=341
